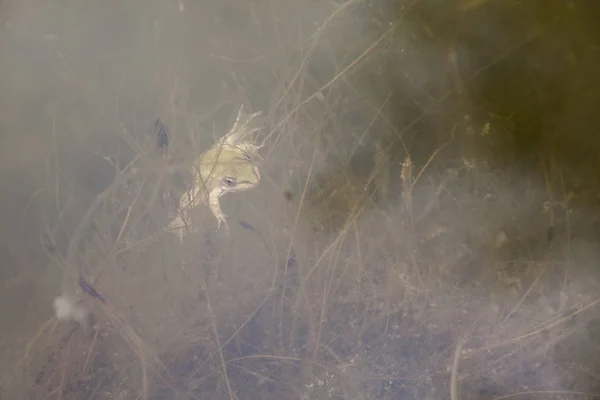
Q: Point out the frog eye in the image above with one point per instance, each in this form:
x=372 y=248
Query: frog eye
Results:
x=230 y=182
x=247 y=157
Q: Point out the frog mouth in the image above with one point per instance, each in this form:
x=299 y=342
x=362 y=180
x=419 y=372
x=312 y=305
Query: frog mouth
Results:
x=246 y=183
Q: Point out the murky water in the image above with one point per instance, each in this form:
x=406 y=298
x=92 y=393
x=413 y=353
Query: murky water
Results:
x=430 y=167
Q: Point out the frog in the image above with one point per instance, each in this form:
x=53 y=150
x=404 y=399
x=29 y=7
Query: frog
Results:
x=230 y=165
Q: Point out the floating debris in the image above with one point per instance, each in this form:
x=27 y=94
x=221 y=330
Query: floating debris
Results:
x=89 y=289
x=162 y=134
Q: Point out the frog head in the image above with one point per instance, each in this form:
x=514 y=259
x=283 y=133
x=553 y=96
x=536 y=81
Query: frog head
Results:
x=237 y=172
x=228 y=169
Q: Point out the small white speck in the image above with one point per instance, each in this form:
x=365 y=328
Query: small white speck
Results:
x=501 y=239
x=67 y=310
